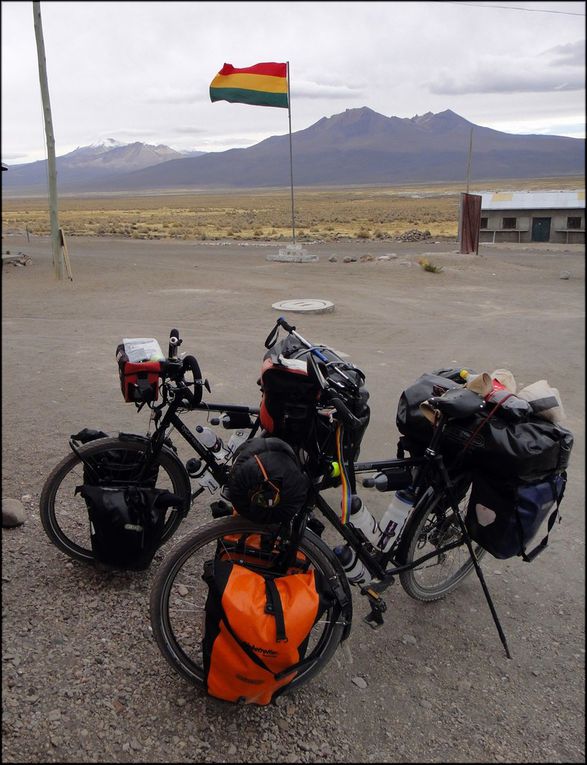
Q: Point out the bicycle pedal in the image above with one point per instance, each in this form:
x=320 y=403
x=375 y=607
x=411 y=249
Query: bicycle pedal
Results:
x=220 y=508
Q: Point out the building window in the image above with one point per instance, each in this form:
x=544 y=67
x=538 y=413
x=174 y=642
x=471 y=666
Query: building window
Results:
x=509 y=223
x=483 y=222
x=574 y=222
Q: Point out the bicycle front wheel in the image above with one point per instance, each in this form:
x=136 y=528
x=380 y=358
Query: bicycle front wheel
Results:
x=179 y=594
x=64 y=514
x=432 y=526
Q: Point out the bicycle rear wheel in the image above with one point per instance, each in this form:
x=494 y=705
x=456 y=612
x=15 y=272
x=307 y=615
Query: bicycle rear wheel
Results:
x=179 y=594
x=64 y=514
x=432 y=526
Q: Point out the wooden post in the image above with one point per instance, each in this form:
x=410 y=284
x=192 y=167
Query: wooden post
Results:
x=51 y=165
x=65 y=254
x=469 y=159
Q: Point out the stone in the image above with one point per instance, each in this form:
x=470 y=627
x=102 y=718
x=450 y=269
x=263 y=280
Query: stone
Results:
x=349 y=259
x=360 y=682
x=333 y=259
x=293 y=253
x=13 y=513
x=409 y=639
x=565 y=275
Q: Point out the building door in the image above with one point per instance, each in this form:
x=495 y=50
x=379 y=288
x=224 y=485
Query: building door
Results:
x=540 y=229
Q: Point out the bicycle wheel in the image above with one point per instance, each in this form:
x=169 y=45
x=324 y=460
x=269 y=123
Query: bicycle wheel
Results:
x=179 y=595
x=431 y=527
x=64 y=514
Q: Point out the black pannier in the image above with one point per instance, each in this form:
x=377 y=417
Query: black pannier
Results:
x=504 y=517
x=529 y=450
x=126 y=523
x=512 y=444
x=410 y=420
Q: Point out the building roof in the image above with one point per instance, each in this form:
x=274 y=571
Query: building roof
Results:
x=532 y=200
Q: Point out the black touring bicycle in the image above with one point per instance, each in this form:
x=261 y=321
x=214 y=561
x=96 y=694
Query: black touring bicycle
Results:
x=317 y=403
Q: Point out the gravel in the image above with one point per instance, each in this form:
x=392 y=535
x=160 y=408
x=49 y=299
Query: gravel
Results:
x=83 y=680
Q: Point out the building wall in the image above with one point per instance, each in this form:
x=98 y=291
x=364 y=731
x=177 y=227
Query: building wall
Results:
x=495 y=232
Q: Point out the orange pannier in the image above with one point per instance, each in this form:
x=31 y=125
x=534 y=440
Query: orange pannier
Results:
x=256 y=629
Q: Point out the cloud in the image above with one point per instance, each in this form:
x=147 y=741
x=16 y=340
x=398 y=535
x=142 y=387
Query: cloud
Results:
x=560 y=68
x=314 y=90
x=569 y=54
x=177 y=97
x=511 y=81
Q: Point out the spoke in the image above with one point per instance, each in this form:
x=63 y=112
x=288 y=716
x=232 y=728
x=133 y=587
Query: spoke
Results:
x=194 y=607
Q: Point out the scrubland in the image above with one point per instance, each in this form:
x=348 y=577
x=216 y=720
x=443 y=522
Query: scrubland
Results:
x=263 y=214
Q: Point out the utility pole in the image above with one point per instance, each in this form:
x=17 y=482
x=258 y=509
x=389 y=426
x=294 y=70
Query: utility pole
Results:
x=51 y=166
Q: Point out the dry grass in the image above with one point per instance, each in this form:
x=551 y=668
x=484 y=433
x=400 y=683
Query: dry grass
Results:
x=320 y=214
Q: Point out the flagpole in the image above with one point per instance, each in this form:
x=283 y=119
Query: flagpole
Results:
x=293 y=225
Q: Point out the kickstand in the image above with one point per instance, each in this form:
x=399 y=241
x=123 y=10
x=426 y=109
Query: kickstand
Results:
x=478 y=569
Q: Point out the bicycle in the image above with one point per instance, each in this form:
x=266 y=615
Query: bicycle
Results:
x=427 y=556
x=137 y=460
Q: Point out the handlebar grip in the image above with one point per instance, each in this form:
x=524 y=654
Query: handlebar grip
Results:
x=345 y=413
x=174 y=342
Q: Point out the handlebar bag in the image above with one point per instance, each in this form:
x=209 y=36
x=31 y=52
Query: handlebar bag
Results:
x=290 y=397
x=126 y=523
x=256 y=629
x=505 y=517
x=139 y=380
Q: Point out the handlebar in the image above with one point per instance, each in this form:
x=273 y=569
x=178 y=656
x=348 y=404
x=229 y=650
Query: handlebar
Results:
x=281 y=322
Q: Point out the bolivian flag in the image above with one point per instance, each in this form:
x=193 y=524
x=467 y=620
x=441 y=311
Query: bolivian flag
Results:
x=261 y=84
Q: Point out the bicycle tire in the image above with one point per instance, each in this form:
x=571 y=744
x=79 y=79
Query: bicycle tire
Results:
x=64 y=514
x=428 y=528
x=178 y=629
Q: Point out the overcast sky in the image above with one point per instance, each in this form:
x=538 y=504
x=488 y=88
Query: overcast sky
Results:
x=140 y=71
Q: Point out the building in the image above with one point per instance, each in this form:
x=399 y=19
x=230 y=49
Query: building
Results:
x=533 y=216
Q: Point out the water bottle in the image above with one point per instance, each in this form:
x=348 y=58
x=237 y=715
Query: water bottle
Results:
x=394 y=518
x=355 y=571
x=210 y=440
x=197 y=469
x=361 y=519
x=235 y=441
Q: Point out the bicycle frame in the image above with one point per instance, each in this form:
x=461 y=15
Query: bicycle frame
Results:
x=171 y=418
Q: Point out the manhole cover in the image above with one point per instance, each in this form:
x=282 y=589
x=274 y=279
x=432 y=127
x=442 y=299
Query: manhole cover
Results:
x=305 y=305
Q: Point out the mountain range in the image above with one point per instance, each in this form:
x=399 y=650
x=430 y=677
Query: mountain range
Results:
x=358 y=146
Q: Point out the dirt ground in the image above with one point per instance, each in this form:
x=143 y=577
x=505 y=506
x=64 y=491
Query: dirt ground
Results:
x=83 y=680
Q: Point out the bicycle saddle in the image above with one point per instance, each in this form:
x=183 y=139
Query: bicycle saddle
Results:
x=456 y=404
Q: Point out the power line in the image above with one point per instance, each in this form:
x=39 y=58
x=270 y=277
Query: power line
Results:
x=517 y=8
